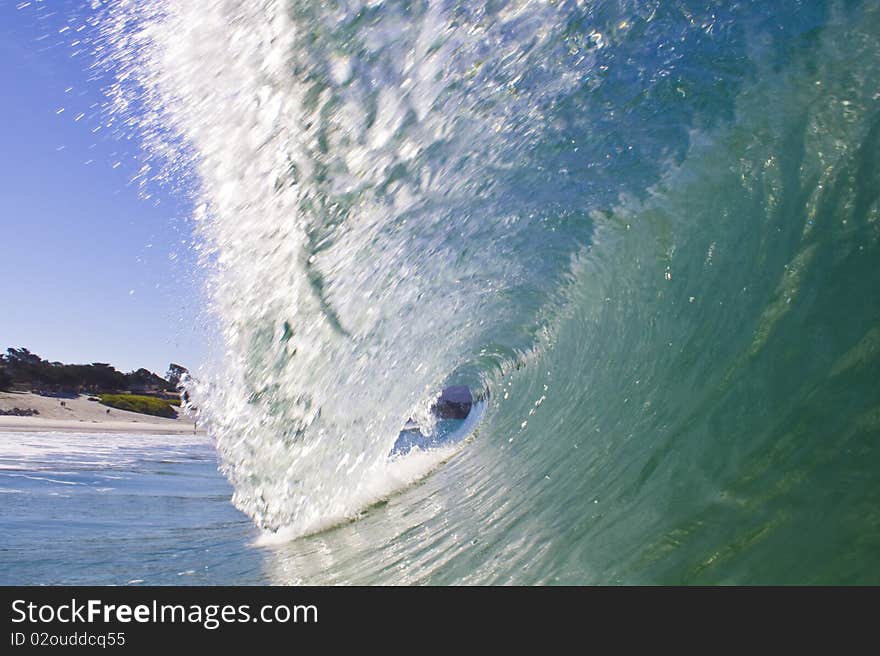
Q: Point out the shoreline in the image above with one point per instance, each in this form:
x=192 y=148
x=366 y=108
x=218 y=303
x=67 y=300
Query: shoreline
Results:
x=78 y=414
x=38 y=425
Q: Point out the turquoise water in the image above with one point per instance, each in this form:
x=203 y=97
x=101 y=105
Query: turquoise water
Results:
x=648 y=229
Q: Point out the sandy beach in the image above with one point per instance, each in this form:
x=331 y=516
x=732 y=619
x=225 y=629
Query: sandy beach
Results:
x=81 y=415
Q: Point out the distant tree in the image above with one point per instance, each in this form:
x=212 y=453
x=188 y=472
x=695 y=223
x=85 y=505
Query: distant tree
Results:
x=175 y=373
x=22 y=356
x=24 y=366
x=29 y=369
x=5 y=380
x=144 y=378
x=100 y=377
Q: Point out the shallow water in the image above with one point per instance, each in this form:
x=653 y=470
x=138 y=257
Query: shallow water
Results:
x=119 y=509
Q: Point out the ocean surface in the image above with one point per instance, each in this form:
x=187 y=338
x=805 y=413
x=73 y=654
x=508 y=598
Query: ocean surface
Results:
x=648 y=232
x=108 y=509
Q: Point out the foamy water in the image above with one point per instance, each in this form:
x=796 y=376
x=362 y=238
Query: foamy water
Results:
x=38 y=451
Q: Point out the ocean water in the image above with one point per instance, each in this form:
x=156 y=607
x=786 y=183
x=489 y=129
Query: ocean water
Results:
x=648 y=230
x=108 y=509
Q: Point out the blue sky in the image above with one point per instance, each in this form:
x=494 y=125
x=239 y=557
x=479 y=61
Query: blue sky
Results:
x=89 y=271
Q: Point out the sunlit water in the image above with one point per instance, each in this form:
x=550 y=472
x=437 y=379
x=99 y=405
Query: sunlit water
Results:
x=119 y=509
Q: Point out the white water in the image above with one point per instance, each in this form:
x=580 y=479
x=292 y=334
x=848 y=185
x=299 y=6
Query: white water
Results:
x=358 y=254
x=35 y=451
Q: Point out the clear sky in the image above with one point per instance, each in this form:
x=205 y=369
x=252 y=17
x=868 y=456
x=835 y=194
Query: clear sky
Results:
x=89 y=271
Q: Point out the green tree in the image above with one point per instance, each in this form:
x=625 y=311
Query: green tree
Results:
x=22 y=356
x=175 y=373
x=5 y=380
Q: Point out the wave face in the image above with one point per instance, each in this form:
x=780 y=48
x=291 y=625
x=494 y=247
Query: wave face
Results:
x=648 y=229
